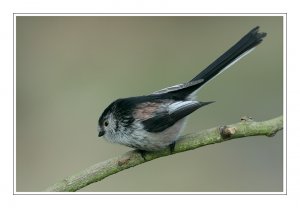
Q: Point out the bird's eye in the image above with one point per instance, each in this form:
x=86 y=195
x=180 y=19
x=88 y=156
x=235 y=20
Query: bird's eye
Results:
x=105 y=123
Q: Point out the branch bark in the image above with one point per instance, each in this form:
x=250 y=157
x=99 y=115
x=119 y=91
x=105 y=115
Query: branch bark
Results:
x=101 y=170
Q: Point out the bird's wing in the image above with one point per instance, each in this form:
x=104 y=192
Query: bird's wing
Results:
x=164 y=119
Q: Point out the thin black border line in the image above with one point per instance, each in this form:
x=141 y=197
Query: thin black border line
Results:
x=154 y=194
x=126 y=193
x=147 y=13
x=286 y=71
x=14 y=104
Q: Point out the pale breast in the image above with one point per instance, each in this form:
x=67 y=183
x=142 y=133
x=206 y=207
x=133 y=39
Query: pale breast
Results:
x=156 y=141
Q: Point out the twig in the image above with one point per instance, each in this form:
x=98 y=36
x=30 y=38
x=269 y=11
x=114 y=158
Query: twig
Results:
x=99 y=171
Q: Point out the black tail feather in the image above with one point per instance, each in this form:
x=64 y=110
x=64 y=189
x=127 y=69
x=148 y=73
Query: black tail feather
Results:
x=249 y=41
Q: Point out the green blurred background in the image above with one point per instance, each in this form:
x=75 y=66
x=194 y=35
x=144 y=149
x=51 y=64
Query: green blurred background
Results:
x=70 y=68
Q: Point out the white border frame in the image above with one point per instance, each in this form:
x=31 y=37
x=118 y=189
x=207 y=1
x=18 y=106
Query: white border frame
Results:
x=284 y=15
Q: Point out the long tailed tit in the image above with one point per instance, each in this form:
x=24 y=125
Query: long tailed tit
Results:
x=152 y=122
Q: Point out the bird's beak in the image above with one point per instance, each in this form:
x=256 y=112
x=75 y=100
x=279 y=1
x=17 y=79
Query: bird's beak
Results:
x=101 y=133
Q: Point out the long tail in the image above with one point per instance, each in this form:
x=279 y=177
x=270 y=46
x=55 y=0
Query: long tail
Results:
x=241 y=48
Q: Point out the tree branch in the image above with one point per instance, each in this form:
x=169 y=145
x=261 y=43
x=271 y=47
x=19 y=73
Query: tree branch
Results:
x=99 y=171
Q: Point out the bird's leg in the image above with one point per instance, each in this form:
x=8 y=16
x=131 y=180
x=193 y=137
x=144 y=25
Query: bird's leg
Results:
x=172 y=146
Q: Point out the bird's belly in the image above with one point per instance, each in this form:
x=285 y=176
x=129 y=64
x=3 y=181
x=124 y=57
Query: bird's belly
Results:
x=156 y=141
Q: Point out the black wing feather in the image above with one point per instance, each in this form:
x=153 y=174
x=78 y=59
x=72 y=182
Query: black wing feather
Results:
x=166 y=119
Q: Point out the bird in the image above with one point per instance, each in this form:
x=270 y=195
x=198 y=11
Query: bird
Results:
x=155 y=121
